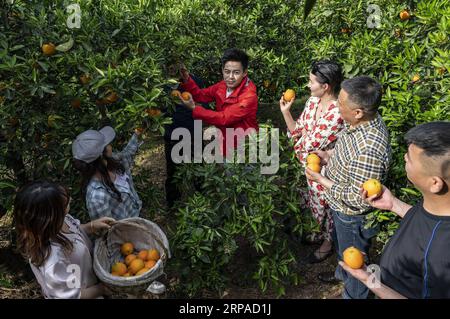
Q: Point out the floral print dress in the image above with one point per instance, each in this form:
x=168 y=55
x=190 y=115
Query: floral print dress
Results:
x=312 y=135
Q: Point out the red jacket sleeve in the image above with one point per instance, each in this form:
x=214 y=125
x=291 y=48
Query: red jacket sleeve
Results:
x=199 y=95
x=231 y=114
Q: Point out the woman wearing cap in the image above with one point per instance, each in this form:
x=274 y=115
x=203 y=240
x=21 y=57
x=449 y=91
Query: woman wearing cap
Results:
x=106 y=177
x=317 y=129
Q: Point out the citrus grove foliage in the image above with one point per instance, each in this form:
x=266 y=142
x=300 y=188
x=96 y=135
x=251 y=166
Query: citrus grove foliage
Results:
x=225 y=205
x=112 y=70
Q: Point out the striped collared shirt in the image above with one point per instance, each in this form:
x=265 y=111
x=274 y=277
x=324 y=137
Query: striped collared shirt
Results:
x=360 y=153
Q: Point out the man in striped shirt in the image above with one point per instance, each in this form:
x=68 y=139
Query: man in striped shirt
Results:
x=362 y=152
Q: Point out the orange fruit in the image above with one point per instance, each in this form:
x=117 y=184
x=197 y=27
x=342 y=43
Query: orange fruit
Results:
x=111 y=96
x=119 y=268
x=143 y=255
x=129 y=259
x=142 y=271
x=135 y=266
x=416 y=78
x=126 y=249
x=273 y=87
x=314 y=167
x=85 y=78
x=127 y=274
x=373 y=187
x=115 y=273
x=404 y=15
x=186 y=96
x=353 y=257
x=150 y=264
x=13 y=121
x=153 y=112
x=48 y=49
x=289 y=95
x=75 y=103
x=313 y=159
x=175 y=93
x=153 y=254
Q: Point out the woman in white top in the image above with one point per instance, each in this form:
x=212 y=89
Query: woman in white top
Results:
x=57 y=245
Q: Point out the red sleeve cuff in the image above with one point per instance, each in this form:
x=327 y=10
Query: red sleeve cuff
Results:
x=196 y=112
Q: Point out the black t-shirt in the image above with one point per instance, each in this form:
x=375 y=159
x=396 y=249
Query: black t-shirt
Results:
x=416 y=261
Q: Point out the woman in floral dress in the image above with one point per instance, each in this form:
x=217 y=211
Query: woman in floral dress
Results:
x=317 y=129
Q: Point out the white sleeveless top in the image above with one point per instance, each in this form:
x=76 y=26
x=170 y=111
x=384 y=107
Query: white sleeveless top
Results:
x=63 y=276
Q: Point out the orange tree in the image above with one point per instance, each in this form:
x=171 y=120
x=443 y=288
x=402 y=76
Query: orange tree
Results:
x=58 y=79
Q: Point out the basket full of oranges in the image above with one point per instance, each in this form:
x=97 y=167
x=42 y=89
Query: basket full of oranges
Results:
x=131 y=255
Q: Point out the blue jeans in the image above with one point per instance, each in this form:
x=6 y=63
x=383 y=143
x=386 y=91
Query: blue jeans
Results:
x=350 y=231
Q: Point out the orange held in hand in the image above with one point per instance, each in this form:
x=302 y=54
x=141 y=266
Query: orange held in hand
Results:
x=126 y=249
x=175 y=93
x=314 y=167
x=186 y=96
x=289 y=95
x=353 y=257
x=313 y=159
x=373 y=187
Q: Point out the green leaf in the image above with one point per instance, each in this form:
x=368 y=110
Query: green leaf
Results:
x=100 y=71
x=7 y=185
x=64 y=47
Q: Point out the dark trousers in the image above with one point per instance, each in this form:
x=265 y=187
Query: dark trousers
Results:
x=349 y=231
x=172 y=192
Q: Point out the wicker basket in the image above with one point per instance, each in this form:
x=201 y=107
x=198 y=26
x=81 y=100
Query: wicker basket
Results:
x=144 y=234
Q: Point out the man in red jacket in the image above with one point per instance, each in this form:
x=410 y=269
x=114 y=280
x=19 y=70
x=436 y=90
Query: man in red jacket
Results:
x=235 y=98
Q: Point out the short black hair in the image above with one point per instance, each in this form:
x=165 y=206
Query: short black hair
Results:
x=434 y=139
x=365 y=92
x=236 y=55
x=328 y=72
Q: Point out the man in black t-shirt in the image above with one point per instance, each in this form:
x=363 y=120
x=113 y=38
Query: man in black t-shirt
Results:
x=416 y=261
